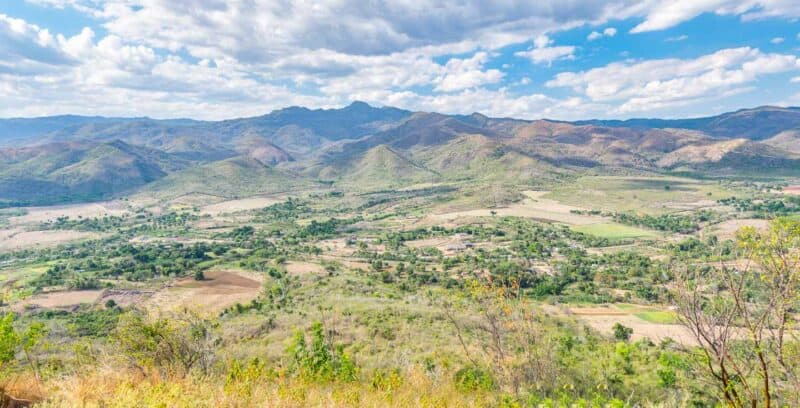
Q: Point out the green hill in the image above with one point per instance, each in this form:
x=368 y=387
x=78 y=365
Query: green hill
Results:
x=64 y=172
x=237 y=176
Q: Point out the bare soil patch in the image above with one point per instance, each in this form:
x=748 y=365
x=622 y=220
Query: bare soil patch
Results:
x=125 y=297
x=792 y=190
x=337 y=247
x=304 y=268
x=60 y=300
x=728 y=229
x=37 y=215
x=220 y=289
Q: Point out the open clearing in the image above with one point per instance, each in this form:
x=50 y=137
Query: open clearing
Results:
x=37 y=215
x=17 y=239
x=220 y=289
x=615 y=231
x=641 y=328
x=652 y=195
x=534 y=205
x=645 y=322
x=792 y=190
x=60 y=300
x=243 y=204
x=125 y=297
x=728 y=229
x=304 y=268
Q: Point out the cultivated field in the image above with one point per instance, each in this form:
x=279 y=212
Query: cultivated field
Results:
x=219 y=290
x=60 y=300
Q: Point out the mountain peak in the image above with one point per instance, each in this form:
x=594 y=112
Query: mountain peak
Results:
x=359 y=105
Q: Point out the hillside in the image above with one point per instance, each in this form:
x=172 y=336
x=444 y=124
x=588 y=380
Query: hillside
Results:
x=237 y=176
x=754 y=124
x=79 y=171
x=374 y=148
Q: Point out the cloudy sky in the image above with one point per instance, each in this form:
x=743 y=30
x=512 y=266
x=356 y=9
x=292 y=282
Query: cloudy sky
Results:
x=562 y=59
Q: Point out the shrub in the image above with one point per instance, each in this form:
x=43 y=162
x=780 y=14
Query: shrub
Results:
x=622 y=333
x=320 y=360
x=473 y=378
x=174 y=345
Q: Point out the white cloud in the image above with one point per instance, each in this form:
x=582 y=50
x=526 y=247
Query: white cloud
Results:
x=682 y=37
x=660 y=15
x=777 y=40
x=542 y=52
x=656 y=84
x=467 y=73
x=215 y=58
x=596 y=35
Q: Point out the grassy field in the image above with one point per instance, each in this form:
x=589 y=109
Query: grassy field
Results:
x=659 y=317
x=654 y=195
x=615 y=231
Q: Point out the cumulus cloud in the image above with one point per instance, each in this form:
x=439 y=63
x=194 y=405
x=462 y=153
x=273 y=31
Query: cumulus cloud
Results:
x=660 y=15
x=222 y=58
x=777 y=40
x=543 y=53
x=467 y=73
x=596 y=35
x=654 y=84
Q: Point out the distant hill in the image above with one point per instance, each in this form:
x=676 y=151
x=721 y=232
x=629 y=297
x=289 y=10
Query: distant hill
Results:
x=69 y=158
x=754 y=124
x=75 y=171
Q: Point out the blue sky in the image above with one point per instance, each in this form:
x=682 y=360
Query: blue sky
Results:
x=563 y=59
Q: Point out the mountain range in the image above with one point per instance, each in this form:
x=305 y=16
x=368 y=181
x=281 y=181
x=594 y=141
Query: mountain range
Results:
x=75 y=158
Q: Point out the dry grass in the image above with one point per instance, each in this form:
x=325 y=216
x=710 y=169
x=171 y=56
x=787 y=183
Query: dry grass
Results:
x=36 y=215
x=112 y=387
x=603 y=319
x=304 y=268
x=532 y=206
x=15 y=239
x=728 y=229
x=243 y=204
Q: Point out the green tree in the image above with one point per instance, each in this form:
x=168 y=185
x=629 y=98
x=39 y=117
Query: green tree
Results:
x=9 y=339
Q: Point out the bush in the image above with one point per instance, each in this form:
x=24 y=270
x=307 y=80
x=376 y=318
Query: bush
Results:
x=320 y=360
x=622 y=333
x=473 y=379
x=174 y=345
